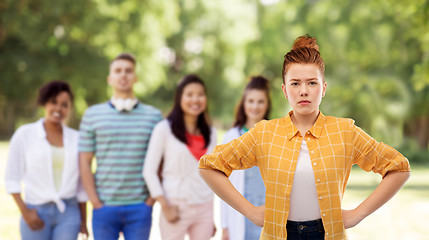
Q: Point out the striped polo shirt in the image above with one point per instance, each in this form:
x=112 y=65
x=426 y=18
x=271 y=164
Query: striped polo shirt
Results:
x=119 y=141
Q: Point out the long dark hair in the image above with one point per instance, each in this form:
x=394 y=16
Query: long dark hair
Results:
x=176 y=118
x=257 y=83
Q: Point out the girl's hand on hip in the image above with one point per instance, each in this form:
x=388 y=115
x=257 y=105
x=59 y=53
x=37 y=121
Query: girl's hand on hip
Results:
x=351 y=218
x=257 y=215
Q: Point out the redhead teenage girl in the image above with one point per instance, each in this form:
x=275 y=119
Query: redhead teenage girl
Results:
x=305 y=160
x=181 y=139
x=254 y=106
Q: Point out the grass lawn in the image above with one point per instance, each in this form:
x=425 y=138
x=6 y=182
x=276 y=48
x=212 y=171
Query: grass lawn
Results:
x=405 y=217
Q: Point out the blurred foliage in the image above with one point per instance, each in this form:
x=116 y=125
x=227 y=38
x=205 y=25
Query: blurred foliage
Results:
x=376 y=54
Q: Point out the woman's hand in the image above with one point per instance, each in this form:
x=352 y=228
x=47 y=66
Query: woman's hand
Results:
x=150 y=201
x=171 y=213
x=214 y=230
x=351 y=218
x=32 y=219
x=257 y=215
x=97 y=204
x=225 y=234
x=83 y=231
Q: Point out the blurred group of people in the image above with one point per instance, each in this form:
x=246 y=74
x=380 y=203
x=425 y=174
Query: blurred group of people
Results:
x=140 y=158
x=297 y=165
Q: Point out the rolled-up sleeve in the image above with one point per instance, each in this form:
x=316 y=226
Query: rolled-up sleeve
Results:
x=238 y=154
x=375 y=156
x=15 y=164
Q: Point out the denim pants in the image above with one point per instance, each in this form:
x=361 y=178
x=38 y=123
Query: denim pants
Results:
x=58 y=226
x=308 y=230
x=134 y=221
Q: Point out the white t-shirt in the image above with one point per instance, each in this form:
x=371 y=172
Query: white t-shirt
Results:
x=304 y=205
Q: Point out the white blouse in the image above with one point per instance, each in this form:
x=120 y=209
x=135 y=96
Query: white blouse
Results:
x=30 y=161
x=180 y=178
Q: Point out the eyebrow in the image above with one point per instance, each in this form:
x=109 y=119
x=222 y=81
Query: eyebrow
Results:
x=298 y=80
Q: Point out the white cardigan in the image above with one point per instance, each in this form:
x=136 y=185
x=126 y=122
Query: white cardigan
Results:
x=180 y=179
x=230 y=218
x=30 y=161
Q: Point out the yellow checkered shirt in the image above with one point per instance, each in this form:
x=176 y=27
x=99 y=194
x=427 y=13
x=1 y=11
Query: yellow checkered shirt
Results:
x=334 y=144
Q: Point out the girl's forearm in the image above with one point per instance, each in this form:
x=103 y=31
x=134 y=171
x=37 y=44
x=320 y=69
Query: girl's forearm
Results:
x=221 y=185
x=387 y=188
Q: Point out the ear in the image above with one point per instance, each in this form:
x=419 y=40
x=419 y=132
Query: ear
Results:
x=324 y=88
x=284 y=90
x=109 y=80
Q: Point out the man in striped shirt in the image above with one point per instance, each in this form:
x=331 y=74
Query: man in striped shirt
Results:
x=117 y=132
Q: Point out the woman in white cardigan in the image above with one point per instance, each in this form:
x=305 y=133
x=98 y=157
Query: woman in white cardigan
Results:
x=254 y=106
x=44 y=156
x=180 y=140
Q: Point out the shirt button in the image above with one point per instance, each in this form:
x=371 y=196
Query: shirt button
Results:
x=323 y=214
x=314 y=164
x=318 y=180
x=312 y=152
x=308 y=139
x=320 y=197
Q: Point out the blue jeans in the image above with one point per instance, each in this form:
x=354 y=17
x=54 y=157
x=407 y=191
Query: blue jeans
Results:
x=308 y=230
x=61 y=226
x=134 y=221
x=254 y=191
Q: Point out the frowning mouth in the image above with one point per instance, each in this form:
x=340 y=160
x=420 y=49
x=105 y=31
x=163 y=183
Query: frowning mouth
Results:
x=304 y=102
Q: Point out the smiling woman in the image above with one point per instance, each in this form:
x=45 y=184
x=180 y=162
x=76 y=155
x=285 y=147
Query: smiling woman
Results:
x=254 y=106
x=44 y=156
x=180 y=140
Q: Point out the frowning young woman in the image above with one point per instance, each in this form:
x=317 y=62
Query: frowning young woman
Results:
x=305 y=160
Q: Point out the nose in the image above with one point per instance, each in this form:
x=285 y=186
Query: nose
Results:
x=195 y=99
x=303 y=90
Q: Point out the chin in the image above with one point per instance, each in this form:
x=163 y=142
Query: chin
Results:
x=194 y=114
x=55 y=121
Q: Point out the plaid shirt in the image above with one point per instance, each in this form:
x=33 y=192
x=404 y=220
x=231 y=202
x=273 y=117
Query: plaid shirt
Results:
x=334 y=144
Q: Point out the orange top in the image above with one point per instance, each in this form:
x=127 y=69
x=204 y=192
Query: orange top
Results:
x=334 y=144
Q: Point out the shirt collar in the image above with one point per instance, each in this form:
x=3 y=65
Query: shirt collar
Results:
x=316 y=130
x=40 y=128
x=42 y=133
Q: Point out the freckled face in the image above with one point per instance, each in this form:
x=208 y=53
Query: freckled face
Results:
x=304 y=88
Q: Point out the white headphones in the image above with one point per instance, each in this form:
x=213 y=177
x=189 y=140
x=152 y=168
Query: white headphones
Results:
x=123 y=104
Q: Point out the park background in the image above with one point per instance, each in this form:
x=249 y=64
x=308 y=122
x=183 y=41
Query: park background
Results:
x=376 y=54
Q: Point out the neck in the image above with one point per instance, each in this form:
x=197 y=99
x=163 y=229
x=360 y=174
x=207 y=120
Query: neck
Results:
x=250 y=123
x=304 y=122
x=191 y=124
x=52 y=127
x=124 y=95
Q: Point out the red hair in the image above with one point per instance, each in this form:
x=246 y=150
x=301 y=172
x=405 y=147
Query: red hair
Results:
x=305 y=50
